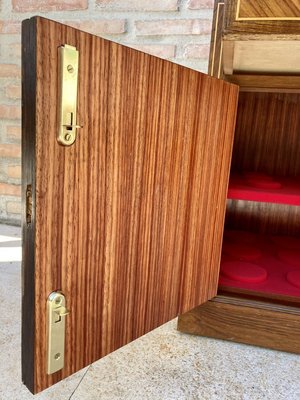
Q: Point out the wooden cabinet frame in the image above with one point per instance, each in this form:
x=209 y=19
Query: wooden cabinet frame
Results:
x=239 y=315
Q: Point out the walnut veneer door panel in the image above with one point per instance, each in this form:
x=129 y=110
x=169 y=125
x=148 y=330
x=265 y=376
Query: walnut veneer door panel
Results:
x=127 y=222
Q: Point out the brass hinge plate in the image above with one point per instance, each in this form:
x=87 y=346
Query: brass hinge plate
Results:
x=68 y=80
x=56 y=313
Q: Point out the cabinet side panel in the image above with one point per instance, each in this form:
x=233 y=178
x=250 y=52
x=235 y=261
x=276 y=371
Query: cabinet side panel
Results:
x=267 y=135
x=28 y=178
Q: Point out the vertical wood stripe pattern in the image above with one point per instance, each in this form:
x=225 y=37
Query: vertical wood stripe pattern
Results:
x=268 y=218
x=129 y=219
x=267 y=135
x=266 y=140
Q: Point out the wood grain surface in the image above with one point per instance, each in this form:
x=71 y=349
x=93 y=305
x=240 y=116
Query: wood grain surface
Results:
x=268 y=9
x=265 y=83
x=267 y=135
x=28 y=178
x=268 y=218
x=266 y=140
x=215 y=67
x=261 y=17
x=245 y=321
x=129 y=219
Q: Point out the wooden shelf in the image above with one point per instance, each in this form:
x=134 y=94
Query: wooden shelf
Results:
x=264 y=188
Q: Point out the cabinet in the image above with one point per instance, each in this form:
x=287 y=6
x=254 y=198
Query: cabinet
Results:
x=127 y=220
x=256 y=45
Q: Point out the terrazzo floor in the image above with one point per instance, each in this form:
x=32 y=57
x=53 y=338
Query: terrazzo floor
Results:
x=162 y=365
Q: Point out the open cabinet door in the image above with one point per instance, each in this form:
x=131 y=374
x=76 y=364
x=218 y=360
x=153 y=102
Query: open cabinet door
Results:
x=126 y=223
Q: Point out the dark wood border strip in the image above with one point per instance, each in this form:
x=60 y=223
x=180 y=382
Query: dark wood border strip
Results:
x=215 y=53
x=28 y=178
x=247 y=322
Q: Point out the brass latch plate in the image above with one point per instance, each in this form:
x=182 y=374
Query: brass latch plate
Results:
x=68 y=81
x=56 y=313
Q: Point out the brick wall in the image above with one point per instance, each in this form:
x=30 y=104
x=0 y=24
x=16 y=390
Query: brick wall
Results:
x=178 y=30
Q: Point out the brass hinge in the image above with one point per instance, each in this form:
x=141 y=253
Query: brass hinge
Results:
x=68 y=81
x=28 y=204
x=56 y=313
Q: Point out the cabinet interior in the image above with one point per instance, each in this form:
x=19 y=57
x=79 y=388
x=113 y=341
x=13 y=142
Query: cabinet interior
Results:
x=261 y=243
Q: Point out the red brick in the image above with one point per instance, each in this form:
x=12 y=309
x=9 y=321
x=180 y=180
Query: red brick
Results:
x=13 y=92
x=196 y=51
x=12 y=51
x=10 y=26
x=14 y=171
x=109 y=26
x=200 y=4
x=10 y=190
x=159 y=50
x=138 y=5
x=48 y=5
x=10 y=150
x=10 y=71
x=10 y=112
x=173 y=27
x=13 y=132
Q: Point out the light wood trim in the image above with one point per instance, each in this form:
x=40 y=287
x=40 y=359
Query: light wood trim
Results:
x=228 y=56
x=258 y=82
x=217 y=39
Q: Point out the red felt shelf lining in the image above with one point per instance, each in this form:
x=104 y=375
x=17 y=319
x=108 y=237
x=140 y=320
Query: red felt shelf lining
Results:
x=264 y=188
x=266 y=264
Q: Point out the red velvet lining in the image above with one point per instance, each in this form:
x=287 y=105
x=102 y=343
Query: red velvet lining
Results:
x=275 y=270
x=254 y=186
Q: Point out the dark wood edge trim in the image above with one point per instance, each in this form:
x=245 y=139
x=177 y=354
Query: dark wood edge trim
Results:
x=257 y=303
x=273 y=298
x=215 y=53
x=28 y=178
x=253 y=325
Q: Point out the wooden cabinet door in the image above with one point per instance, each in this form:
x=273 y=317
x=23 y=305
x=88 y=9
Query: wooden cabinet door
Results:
x=127 y=221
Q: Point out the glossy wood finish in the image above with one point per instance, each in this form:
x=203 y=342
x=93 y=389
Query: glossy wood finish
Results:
x=266 y=140
x=245 y=321
x=277 y=219
x=265 y=83
x=267 y=134
x=254 y=9
x=261 y=37
x=28 y=177
x=129 y=219
x=256 y=18
x=215 y=55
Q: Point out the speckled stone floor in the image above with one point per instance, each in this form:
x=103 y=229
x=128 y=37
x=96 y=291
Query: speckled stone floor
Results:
x=162 y=365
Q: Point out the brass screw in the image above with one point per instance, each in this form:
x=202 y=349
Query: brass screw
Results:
x=70 y=68
x=58 y=300
x=57 y=356
x=68 y=137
